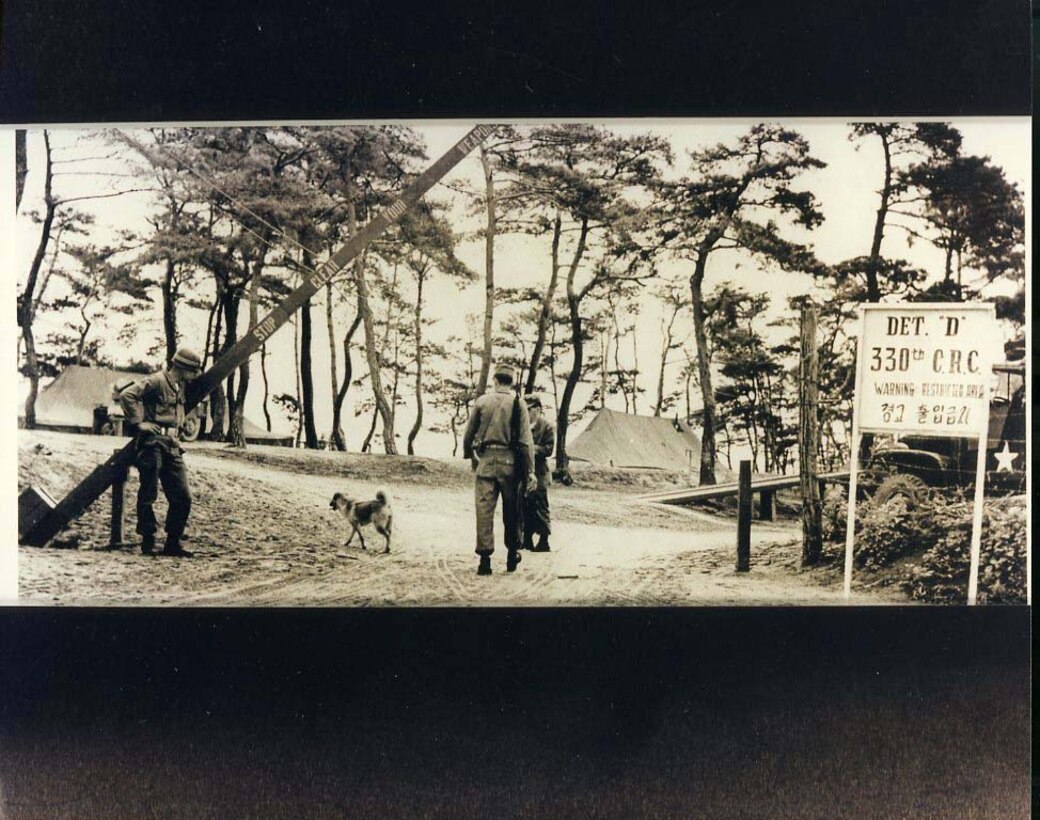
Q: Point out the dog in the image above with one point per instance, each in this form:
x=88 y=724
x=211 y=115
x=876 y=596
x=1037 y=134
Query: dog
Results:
x=362 y=513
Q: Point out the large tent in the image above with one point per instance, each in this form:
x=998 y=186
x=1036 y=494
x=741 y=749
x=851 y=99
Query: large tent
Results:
x=68 y=402
x=614 y=439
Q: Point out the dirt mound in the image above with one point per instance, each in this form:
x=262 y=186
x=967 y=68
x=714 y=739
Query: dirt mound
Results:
x=358 y=466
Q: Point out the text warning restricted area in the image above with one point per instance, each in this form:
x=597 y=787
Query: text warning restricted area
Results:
x=927 y=368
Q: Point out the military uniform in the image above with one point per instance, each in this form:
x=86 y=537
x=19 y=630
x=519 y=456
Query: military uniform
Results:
x=488 y=436
x=159 y=399
x=536 y=504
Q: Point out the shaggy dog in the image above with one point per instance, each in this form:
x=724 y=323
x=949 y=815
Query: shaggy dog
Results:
x=362 y=513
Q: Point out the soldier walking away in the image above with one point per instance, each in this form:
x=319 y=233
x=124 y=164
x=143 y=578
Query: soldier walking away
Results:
x=536 y=504
x=501 y=457
x=150 y=405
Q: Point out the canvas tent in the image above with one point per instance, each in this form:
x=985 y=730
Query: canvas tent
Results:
x=258 y=435
x=615 y=439
x=68 y=402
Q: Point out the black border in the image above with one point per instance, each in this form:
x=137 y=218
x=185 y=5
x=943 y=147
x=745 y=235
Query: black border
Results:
x=114 y=60
x=625 y=672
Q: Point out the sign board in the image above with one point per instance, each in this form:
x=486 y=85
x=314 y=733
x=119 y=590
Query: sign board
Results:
x=924 y=369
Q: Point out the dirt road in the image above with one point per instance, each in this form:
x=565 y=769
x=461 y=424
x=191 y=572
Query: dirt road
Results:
x=264 y=535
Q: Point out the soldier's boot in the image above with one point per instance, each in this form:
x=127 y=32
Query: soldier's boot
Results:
x=528 y=542
x=484 y=567
x=173 y=547
x=513 y=559
x=148 y=544
x=542 y=545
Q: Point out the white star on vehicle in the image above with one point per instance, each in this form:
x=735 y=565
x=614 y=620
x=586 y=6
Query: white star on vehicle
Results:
x=1004 y=458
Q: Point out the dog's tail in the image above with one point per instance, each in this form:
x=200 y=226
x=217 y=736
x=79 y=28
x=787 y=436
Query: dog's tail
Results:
x=381 y=497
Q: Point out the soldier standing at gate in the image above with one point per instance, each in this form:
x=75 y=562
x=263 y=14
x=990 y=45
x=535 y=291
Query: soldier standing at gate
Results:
x=149 y=405
x=536 y=504
x=500 y=452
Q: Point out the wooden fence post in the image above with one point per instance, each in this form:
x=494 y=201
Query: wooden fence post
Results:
x=809 y=438
x=744 y=518
x=118 y=498
x=767 y=505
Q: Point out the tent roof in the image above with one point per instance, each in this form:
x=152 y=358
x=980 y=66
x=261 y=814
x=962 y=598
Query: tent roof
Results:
x=70 y=399
x=259 y=434
x=627 y=440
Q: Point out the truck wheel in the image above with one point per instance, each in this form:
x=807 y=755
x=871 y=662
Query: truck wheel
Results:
x=911 y=488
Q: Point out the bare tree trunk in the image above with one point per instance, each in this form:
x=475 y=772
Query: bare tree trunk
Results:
x=489 y=271
x=617 y=357
x=299 y=385
x=231 y=305
x=874 y=260
x=209 y=333
x=453 y=424
x=81 y=346
x=26 y=313
x=577 y=343
x=267 y=387
x=366 y=445
x=38 y=299
x=21 y=167
x=237 y=434
x=340 y=442
x=668 y=347
x=169 y=311
x=635 y=371
x=604 y=343
x=372 y=354
x=306 y=369
x=417 y=426
x=563 y=412
x=707 y=472
x=336 y=434
x=546 y=310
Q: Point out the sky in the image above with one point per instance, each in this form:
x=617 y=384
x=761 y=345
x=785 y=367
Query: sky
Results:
x=846 y=190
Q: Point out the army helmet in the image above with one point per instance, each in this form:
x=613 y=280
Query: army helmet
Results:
x=187 y=359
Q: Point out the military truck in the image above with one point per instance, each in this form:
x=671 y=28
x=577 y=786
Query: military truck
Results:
x=915 y=467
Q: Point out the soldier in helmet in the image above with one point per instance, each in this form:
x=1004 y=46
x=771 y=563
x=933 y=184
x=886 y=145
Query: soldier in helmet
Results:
x=536 y=504
x=150 y=405
x=498 y=444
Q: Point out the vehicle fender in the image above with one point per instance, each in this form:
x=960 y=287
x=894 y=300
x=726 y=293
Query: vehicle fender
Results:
x=932 y=467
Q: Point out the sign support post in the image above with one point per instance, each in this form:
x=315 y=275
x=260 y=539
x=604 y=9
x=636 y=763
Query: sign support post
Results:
x=976 y=515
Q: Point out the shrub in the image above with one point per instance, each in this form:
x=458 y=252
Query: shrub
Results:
x=942 y=575
x=834 y=516
x=885 y=532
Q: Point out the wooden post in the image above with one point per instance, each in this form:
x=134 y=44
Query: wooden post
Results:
x=809 y=438
x=118 y=506
x=744 y=518
x=767 y=505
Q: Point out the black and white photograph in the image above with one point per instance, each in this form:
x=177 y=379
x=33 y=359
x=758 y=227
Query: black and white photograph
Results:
x=516 y=410
x=531 y=363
